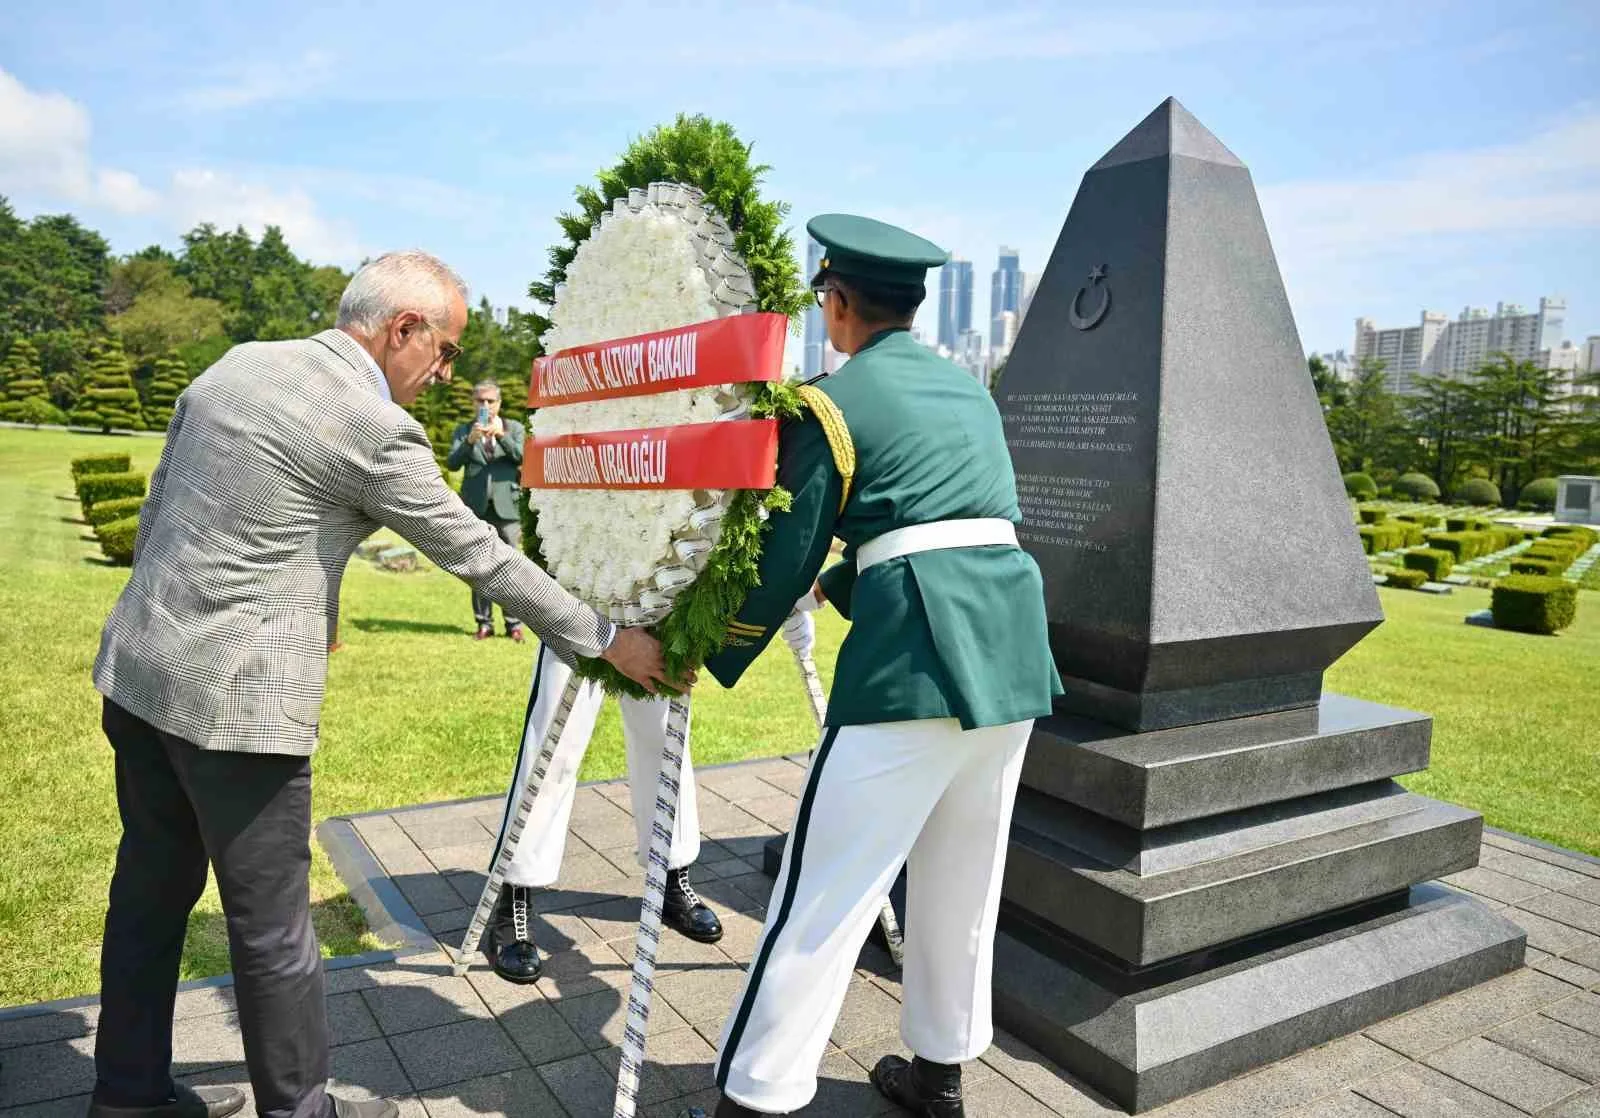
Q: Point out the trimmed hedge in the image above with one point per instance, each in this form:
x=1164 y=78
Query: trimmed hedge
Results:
x=107 y=511
x=1531 y=604
x=101 y=464
x=1523 y=565
x=1479 y=491
x=1466 y=524
x=1406 y=579
x=1381 y=537
x=1412 y=535
x=1464 y=546
x=1423 y=519
x=1539 y=495
x=1419 y=487
x=1588 y=537
x=93 y=488
x=117 y=538
x=1434 y=563
x=1360 y=486
x=1371 y=515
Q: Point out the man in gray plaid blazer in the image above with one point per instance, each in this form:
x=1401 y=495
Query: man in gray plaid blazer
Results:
x=279 y=460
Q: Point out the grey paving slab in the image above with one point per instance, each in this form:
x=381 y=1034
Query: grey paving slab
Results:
x=541 y=1032
x=368 y=1070
x=584 y=970
x=73 y=1106
x=1523 y=863
x=424 y=1004
x=511 y=1094
x=1586 y=1105
x=1569 y=971
x=1509 y=1076
x=1551 y=1042
x=452 y=1053
x=867 y=1013
x=1494 y=885
x=1415 y=1091
x=1346 y=1104
x=349 y=1020
x=437 y=834
x=1566 y=909
x=41 y=1072
x=1469 y=1013
x=468 y=858
x=598 y=1019
x=49 y=1026
x=1291 y=1083
x=1581 y=1012
x=655 y=1085
x=1588 y=867
x=581 y=1084
x=199 y=1043
x=1550 y=935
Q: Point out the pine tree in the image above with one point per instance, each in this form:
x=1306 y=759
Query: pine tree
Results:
x=171 y=377
x=23 y=393
x=109 y=399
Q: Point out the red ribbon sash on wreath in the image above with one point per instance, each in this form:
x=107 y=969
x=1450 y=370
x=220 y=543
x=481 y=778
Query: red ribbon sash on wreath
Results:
x=734 y=454
x=737 y=454
x=734 y=350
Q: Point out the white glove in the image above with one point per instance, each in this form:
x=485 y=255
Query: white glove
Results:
x=810 y=602
x=800 y=632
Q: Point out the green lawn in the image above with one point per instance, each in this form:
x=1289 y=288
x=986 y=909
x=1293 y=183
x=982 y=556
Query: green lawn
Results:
x=417 y=711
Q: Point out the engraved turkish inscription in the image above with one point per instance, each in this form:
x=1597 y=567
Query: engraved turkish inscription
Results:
x=1064 y=510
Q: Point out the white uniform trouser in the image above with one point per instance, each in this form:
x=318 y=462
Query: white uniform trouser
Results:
x=537 y=860
x=925 y=793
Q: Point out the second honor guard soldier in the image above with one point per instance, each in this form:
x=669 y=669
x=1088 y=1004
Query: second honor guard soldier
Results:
x=936 y=688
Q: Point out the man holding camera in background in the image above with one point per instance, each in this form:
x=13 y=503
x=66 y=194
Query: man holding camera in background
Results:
x=490 y=449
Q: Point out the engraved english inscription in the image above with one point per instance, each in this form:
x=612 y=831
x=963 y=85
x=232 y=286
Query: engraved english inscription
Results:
x=1064 y=510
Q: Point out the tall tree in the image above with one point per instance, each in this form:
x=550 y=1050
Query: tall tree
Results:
x=1440 y=418
x=1366 y=428
x=22 y=392
x=1520 y=420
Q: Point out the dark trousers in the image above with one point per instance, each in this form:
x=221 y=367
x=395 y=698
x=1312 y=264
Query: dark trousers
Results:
x=482 y=607
x=249 y=816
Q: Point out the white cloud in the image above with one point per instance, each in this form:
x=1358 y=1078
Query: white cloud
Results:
x=224 y=199
x=1342 y=241
x=255 y=83
x=44 y=152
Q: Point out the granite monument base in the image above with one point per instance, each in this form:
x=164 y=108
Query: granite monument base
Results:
x=1147 y=1036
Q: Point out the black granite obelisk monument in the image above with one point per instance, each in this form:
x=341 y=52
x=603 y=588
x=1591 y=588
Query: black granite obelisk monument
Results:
x=1211 y=866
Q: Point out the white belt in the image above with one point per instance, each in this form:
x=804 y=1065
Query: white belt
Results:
x=936 y=536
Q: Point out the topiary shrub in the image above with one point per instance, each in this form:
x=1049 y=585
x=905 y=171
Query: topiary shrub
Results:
x=1464 y=546
x=1523 y=565
x=1532 y=604
x=1555 y=547
x=1423 y=519
x=117 y=538
x=1372 y=515
x=1381 y=537
x=1360 y=486
x=1435 y=563
x=38 y=412
x=1479 y=491
x=106 y=511
x=1588 y=537
x=94 y=488
x=109 y=400
x=1405 y=579
x=1418 y=487
x=1539 y=495
x=1412 y=534
x=101 y=464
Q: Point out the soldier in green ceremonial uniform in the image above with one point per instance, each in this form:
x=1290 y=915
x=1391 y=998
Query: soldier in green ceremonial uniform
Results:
x=490 y=449
x=937 y=685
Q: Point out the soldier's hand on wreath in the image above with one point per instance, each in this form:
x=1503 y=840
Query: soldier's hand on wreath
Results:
x=637 y=655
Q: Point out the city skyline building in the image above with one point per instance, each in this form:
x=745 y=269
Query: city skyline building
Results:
x=955 y=301
x=816 y=336
x=1441 y=347
x=1005 y=289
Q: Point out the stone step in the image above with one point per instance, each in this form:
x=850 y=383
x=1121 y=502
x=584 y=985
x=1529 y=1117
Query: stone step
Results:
x=1245 y=876
x=1160 y=777
x=1144 y=1043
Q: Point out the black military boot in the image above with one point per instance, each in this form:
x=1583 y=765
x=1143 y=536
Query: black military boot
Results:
x=512 y=951
x=926 y=1089
x=683 y=910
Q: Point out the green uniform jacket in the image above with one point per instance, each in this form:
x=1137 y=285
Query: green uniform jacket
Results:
x=939 y=634
x=491 y=485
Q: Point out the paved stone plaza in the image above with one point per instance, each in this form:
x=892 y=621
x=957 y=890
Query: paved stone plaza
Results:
x=1527 y=1043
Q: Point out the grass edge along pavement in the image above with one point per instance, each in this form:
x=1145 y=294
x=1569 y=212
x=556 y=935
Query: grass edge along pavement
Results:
x=418 y=712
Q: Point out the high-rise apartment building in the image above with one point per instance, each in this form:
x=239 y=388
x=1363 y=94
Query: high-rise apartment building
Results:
x=1440 y=347
x=1005 y=289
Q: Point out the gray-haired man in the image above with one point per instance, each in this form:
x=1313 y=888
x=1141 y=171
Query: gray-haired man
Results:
x=489 y=449
x=279 y=459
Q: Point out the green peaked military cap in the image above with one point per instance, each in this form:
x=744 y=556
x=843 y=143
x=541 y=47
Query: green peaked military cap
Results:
x=874 y=250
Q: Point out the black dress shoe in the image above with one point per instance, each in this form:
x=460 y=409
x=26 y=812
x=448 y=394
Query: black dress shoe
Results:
x=924 y=1088
x=512 y=952
x=186 y=1102
x=364 y=1108
x=684 y=911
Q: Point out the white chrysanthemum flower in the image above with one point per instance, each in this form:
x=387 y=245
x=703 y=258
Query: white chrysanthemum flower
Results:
x=640 y=271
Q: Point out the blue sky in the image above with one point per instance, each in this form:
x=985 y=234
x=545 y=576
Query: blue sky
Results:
x=1408 y=154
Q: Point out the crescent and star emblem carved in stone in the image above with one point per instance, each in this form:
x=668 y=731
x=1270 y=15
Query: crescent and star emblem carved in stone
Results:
x=1089 y=321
